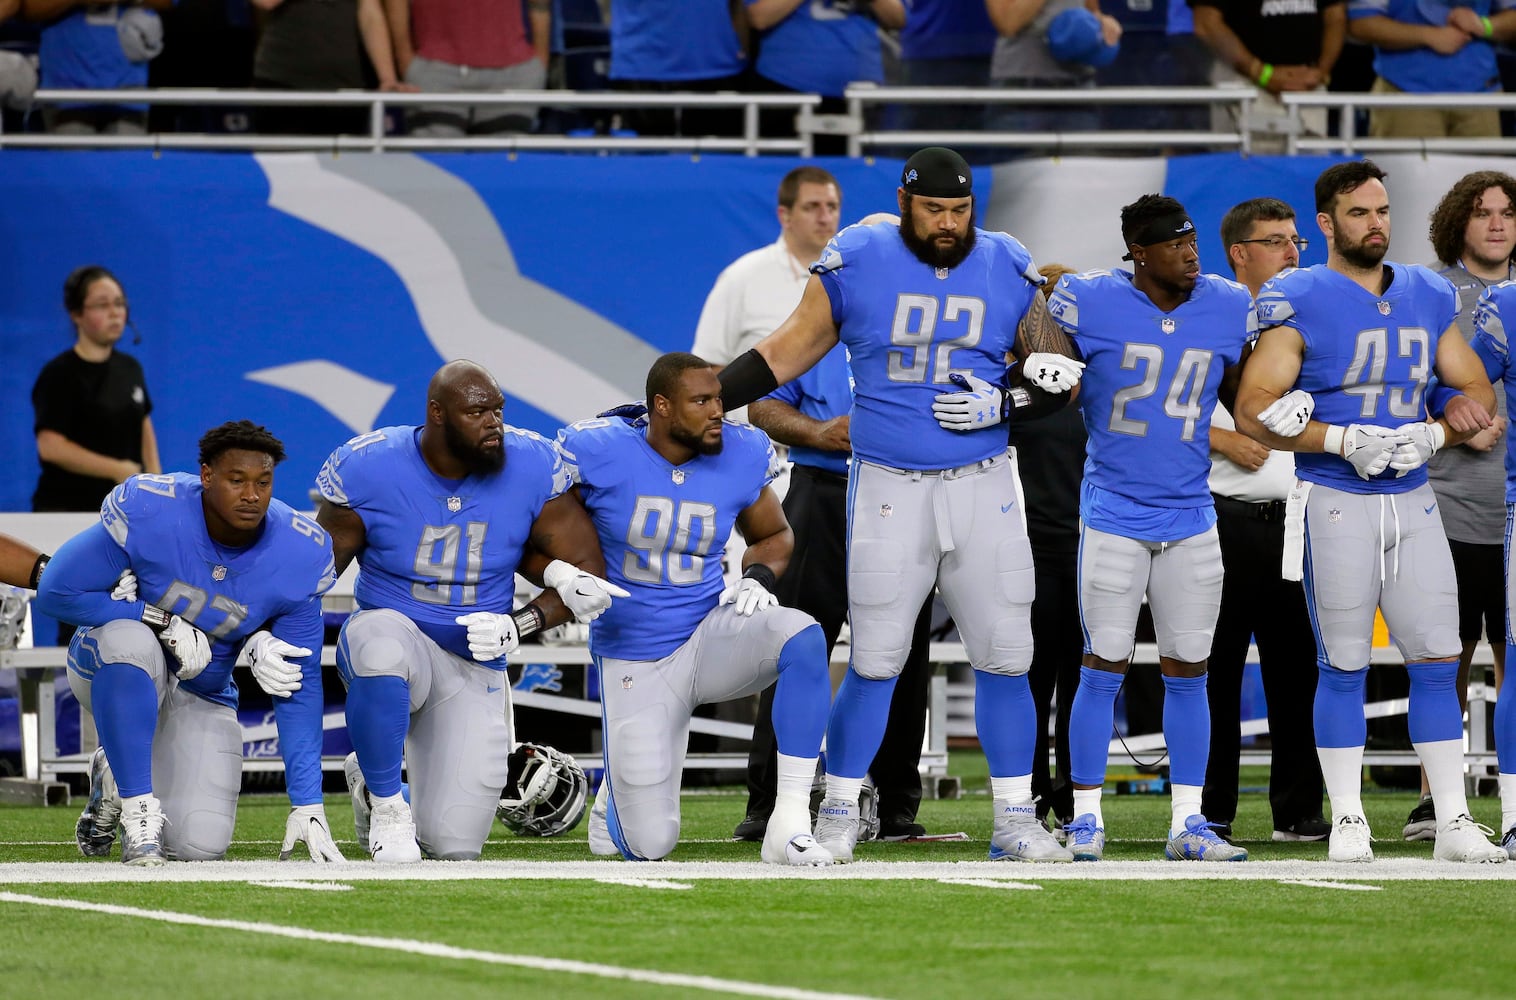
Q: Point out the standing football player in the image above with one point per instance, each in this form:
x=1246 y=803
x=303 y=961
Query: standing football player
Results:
x=440 y=517
x=1156 y=341
x=928 y=310
x=1354 y=341
x=664 y=490
x=229 y=576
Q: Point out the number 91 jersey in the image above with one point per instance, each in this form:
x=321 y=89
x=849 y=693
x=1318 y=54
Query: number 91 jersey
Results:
x=663 y=527
x=908 y=326
x=1367 y=357
x=439 y=548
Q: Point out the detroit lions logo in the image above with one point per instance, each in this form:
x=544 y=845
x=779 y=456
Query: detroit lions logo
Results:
x=539 y=677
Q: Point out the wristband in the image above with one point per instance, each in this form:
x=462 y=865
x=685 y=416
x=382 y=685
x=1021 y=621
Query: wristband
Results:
x=37 y=568
x=762 y=574
x=1265 y=75
x=155 y=618
x=1332 y=443
x=1489 y=29
x=528 y=620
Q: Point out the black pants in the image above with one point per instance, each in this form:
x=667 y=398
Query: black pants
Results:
x=816 y=583
x=1256 y=602
x=1058 y=646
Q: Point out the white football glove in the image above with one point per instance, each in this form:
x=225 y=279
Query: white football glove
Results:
x=1422 y=440
x=585 y=594
x=188 y=645
x=979 y=405
x=1368 y=447
x=490 y=636
x=308 y=825
x=1288 y=415
x=1052 y=372
x=747 y=596
x=265 y=655
x=126 y=587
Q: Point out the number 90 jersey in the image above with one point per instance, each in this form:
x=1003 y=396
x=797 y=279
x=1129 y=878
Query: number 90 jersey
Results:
x=908 y=326
x=663 y=528
x=1367 y=357
x=227 y=593
x=439 y=548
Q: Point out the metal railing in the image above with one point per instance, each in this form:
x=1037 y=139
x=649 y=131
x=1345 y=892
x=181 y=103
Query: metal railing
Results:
x=1347 y=139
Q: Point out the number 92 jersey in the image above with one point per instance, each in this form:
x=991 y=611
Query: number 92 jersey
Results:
x=1367 y=357
x=663 y=528
x=439 y=548
x=227 y=593
x=908 y=326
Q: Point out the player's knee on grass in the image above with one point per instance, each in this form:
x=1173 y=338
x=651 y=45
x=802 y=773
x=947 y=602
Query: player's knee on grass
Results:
x=647 y=789
x=202 y=835
x=375 y=644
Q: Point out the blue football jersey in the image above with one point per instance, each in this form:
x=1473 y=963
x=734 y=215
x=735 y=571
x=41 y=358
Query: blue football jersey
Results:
x=1493 y=347
x=663 y=528
x=1147 y=394
x=156 y=525
x=439 y=548
x=1367 y=357
x=822 y=393
x=908 y=326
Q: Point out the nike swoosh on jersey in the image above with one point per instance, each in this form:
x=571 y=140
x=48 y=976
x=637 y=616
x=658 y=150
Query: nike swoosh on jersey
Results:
x=1006 y=507
x=1430 y=509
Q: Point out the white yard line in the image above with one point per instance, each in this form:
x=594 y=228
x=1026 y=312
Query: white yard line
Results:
x=1379 y=870
x=1318 y=884
x=989 y=883
x=313 y=886
x=433 y=950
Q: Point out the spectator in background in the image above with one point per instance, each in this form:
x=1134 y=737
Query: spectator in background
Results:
x=819 y=47
x=1250 y=484
x=1473 y=233
x=663 y=46
x=945 y=43
x=92 y=424
x=96 y=47
x=322 y=45
x=482 y=46
x=1158 y=49
x=18 y=71
x=1050 y=458
x=1277 y=48
x=1048 y=44
x=1432 y=48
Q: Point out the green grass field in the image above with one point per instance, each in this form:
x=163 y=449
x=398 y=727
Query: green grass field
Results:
x=544 y=919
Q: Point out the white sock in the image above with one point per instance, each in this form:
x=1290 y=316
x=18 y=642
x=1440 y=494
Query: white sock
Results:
x=375 y=801
x=1185 y=802
x=1087 y=800
x=1443 y=761
x=1342 y=771
x=795 y=777
x=1507 y=801
x=847 y=789
x=1011 y=791
x=133 y=803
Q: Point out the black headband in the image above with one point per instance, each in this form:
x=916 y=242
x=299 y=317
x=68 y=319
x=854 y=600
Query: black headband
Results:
x=937 y=172
x=1163 y=229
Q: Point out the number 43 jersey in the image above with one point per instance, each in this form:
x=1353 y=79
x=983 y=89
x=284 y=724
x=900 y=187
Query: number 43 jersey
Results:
x=663 y=527
x=439 y=548
x=1367 y=357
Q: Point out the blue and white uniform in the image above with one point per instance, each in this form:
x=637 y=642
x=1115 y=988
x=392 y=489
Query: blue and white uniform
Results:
x=1149 y=524
x=180 y=740
x=434 y=549
x=928 y=505
x=669 y=647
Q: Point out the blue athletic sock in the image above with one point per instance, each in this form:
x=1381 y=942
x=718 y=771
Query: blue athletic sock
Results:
x=1505 y=724
x=1187 y=728
x=378 y=716
x=1006 y=720
x=125 y=706
x=803 y=694
x=1338 y=711
x=1090 y=721
x=1434 y=714
x=856 y=726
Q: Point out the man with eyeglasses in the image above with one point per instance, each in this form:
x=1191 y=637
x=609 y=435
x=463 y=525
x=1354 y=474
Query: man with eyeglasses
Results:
x=1249 y=483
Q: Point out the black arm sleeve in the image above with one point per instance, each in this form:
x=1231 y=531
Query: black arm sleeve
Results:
x=747 y=378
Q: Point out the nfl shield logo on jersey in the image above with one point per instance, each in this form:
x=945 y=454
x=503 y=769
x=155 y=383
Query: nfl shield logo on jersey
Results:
x=455 y=504
x=678 y=475
x=885 y=509
x=1384 y=308
x=1334 y=515
x=1168 y=325
x=218 y=574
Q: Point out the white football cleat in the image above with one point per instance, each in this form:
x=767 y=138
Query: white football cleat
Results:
x=601 y=843
x=788 y=841
x=392 y=834
x=1020 y=836
x=1464 y=840
x=1349 y=840
x=142 y=833
x=836 y=828
x=358 y=791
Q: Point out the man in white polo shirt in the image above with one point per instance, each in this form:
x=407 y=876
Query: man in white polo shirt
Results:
x=1250 y=484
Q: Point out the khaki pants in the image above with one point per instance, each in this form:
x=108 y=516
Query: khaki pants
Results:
x=1268 y=119
x=1429 y=123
